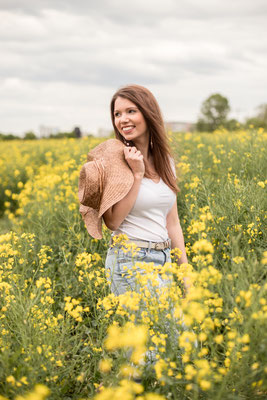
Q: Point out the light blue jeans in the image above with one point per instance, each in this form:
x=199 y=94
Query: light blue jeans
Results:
x=122 y=280
x=120 y=274
x=122 y=277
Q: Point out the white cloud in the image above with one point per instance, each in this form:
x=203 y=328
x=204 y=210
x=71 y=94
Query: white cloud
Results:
x=61 y=61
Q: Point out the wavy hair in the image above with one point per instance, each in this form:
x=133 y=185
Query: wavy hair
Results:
x=160 y=150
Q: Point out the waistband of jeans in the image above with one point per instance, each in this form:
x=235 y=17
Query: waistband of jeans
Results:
x=148 y=245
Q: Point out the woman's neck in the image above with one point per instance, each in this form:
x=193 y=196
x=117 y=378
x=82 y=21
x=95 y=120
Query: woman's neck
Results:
x=144 y=148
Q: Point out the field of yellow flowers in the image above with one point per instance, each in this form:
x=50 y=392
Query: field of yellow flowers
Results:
x=63 y=335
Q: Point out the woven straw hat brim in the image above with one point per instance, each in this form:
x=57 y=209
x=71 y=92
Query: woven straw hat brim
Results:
x=89 y=191
x=92 y=222
x=118 y=178
x=115 y=183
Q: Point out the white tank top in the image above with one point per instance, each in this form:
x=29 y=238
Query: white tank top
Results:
x=147 y=218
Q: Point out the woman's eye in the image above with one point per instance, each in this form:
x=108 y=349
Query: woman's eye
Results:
x=117 y=114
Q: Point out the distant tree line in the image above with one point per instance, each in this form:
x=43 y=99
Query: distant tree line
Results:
x=75 y=133
x=214 y=114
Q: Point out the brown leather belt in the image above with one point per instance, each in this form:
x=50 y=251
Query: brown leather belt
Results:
x=148 y=245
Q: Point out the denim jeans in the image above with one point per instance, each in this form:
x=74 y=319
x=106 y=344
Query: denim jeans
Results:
x=119 y=267
x=122 y=280
x=121 y=275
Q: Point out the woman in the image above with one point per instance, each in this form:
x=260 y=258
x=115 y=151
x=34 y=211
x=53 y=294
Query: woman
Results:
x=148 y=213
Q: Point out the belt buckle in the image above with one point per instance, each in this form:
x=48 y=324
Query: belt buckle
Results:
x=158 y=246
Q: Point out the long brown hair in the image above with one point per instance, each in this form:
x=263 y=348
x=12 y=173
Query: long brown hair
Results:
x=160 y=150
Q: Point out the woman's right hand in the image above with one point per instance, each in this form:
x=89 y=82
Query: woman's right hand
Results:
x=135 y=161
x=116 y=214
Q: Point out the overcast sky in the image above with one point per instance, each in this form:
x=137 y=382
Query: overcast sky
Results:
x=62 y=60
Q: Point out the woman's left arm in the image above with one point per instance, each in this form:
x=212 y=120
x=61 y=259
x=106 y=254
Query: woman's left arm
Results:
x=175 y=233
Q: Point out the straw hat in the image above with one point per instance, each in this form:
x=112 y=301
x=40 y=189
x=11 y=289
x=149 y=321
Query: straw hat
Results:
x=104 y=180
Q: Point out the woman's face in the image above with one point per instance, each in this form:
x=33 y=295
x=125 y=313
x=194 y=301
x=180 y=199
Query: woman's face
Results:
x=129 y=120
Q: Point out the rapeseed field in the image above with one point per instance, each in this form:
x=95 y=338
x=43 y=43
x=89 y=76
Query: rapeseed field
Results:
x=63 y=335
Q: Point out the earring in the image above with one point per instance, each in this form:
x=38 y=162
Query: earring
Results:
x=126 y=142
x=151 y=143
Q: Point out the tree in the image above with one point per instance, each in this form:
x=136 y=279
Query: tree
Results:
x=262 y=115
x=62 y=135
x=232 y=124
x=9 y=136
x=30 y=136
x=260 y=119
x=214 y=111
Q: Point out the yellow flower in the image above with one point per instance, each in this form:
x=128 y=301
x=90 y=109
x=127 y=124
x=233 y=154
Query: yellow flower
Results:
x=105 y=365
x=196 y=226
x=190 y=371
x=264 y=259
x=11 y=379
x=255 y=366
x=245 y=338
x=202 y=337
x=160 y=366
x=202 y=245
x=238 y=203
x=194 y=183
x=227 y=362
x=219 y=339
x=80 y=378
x=129 y=335
x=183 y=167
x=205 y=385
x=24 y=380
x=238 y=260
x=8 y=192
x=231 y=334
x=41 y=390
x=127 y=370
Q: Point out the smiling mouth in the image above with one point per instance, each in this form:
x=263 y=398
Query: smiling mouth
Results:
x=128 y=128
